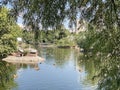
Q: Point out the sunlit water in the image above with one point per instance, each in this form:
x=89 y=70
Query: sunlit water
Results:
x=60 y=71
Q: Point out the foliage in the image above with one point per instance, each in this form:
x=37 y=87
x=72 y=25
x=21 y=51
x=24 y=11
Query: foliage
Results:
x=105 y=45
x=51 y=13
x=28 y=36
x=53 y=36
x=9 y=31
x=67 y=41
x=34 y=15
x=45 y=36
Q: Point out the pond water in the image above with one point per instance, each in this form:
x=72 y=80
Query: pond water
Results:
x=62 y=70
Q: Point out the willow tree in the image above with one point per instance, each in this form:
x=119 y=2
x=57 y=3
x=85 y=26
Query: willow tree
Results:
x=103 y=17
x=51 y=13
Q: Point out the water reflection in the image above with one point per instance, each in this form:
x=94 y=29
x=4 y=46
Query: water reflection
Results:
x=90 y=68
x=87 y=68
x=63 y=69
x=34 y=66
x=58 y=57
x=7 y=72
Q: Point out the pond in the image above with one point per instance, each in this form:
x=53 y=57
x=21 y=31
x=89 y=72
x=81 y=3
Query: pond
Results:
x=63 y=69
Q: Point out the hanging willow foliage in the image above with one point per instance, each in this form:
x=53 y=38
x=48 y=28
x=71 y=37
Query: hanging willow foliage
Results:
x=51 y=13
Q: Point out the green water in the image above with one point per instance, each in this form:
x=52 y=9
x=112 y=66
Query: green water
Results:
x=63 y=69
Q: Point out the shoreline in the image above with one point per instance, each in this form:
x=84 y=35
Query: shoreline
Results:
x=23 y=59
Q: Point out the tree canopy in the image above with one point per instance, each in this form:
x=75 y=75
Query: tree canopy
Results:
x=9 y=31
x=51 y=13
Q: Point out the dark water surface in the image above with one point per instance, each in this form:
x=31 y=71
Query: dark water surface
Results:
x=62 y=70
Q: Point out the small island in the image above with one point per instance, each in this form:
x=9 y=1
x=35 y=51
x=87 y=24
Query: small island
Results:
x=24 y=59
x=25 y=54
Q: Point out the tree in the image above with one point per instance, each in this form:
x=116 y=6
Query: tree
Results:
x=52 y=13
x=9 y=31
x=28 y=36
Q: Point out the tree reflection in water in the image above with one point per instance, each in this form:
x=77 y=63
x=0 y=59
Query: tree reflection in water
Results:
x=102 y=71
x=57 y=56
x=60 y=57
x=26 y=66
x=98 y=69
x=91 y=68
x=7 y=72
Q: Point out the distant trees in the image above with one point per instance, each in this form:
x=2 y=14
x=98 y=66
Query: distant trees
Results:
x=28 y=36
x=9 y=31
x=45 y=36
x=53 y=36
